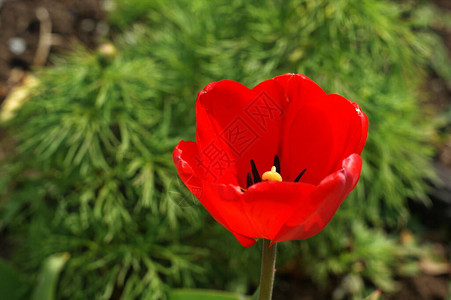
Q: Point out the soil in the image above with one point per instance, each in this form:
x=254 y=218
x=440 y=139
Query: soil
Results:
x=422 y=287
x=30 y=29
x=294 y=287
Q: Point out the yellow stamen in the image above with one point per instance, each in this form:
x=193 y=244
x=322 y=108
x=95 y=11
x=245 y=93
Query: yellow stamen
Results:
x=272 y=175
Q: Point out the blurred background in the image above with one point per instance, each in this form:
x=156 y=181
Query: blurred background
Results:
x=95 y=95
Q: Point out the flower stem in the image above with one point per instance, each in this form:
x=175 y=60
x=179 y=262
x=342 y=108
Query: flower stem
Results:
x=268 y=271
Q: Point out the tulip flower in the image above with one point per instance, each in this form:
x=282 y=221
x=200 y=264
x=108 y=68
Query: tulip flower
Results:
x=307 y=141
x=273 y=162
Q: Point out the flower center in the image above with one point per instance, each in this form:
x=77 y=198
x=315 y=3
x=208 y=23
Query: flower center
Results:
x=272 y=176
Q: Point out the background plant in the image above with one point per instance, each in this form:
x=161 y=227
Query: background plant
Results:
x=93 y=174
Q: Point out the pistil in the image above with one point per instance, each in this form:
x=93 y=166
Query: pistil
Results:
x=272 y=175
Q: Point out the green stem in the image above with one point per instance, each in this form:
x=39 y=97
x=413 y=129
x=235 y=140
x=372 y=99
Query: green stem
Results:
x=268 y=270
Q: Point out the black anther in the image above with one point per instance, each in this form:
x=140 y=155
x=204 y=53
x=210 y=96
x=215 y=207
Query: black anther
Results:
x=249 y=180
x=277 y=163
x=255 y=172
x=300 y=175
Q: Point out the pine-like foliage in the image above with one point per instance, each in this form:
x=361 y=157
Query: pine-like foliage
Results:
x=94 y=175
x=93 y=178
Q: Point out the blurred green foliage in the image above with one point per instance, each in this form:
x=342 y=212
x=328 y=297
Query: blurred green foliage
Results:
x=186 y=294
x=15 y=286
x=93 y=173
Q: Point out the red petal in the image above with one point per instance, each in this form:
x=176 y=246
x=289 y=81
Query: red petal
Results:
x=270 y=204
x=184 y=159
x=295 y=89
x=214 y=197
x=243 y=240
x=322 y=134
x=227 y=201
x=184 y=156
x=244 y=123
x=310 y=218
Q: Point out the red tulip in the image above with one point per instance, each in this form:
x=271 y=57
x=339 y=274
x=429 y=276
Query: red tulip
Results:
x=313 y=140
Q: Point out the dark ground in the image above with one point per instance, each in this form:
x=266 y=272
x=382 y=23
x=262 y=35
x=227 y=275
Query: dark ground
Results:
x=32 y=29
x=29 y=29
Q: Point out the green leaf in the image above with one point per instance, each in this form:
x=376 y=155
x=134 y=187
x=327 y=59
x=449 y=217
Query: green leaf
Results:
x=48 y=276
x=256 y=294
x=374 y=296
x=13 y=284
x=192 y=294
